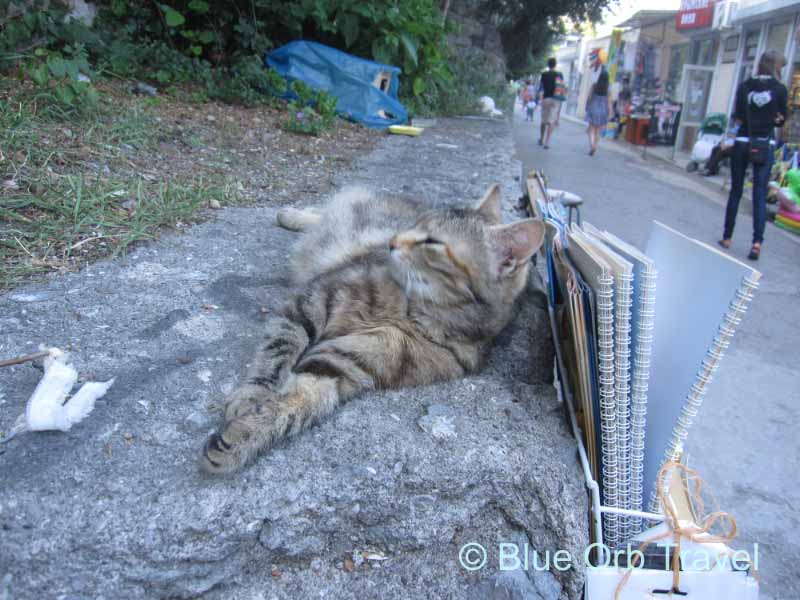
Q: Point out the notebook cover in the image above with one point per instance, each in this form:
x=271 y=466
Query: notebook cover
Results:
x=597 y=274
x=697 y=286
x=644 y=296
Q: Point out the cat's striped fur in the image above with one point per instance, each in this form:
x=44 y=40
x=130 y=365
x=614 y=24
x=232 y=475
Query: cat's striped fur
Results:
x=389 y=293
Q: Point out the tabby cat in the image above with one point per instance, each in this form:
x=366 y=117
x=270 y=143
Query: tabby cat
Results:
x=390 y=293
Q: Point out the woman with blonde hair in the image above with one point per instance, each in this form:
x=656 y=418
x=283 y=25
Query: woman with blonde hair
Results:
x=760 y=107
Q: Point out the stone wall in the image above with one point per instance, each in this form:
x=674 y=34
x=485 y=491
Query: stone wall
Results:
x=376 y=502
x=476 y=31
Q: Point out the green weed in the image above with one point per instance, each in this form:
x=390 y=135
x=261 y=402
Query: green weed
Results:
x=70 y=193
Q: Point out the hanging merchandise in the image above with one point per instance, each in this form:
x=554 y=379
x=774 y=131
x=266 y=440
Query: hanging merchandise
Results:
x=595 y=59
x=614 y=54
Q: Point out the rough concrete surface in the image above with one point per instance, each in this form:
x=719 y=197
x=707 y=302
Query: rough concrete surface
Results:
x=117 y=507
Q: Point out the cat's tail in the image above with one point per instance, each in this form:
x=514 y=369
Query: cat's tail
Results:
x=295 y=219
x=307 y=399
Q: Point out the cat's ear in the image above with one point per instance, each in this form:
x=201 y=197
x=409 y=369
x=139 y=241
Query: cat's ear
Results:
x=514 y=244
x=489 y=205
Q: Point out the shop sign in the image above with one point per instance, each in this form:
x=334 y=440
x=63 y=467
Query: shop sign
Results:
x=695 y=14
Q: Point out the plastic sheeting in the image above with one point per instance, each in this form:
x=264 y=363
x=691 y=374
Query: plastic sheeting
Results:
x=350 y=79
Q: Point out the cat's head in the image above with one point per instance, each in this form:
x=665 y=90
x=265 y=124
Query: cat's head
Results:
x=455 y=256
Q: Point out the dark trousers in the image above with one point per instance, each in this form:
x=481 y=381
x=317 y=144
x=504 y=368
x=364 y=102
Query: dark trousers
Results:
x=761 y=173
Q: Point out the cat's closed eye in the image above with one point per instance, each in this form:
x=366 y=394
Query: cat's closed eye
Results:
x=432 y=241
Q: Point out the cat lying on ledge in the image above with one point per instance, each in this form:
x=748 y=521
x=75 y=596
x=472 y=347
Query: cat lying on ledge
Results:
x=390 y=293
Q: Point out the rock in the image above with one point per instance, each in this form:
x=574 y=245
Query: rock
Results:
x=29 y=297
x=439 y=422
x=82 y=11
x=117 y=507
x=476 y=35
x=214 y=203
x=145 y=89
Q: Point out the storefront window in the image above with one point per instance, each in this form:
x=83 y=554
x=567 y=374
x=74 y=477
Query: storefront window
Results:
x=704 y=52
x=750 y=45
x=777 y=36
x=678 y=57
x=750 y=48
x=729 y=48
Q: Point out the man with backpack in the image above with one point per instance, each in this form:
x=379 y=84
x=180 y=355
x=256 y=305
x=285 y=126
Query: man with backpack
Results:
x=552 y=94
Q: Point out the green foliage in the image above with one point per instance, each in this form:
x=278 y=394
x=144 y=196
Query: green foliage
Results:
x=61 y=212
x=247 y=83
x=409 y=34
x=216 y=48
x=62 y=79
x=529 y=27
x=473 y=77
x=311 y=112
x=52 y=56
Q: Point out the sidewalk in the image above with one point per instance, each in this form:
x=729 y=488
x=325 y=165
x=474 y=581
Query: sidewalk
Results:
x=665 y=153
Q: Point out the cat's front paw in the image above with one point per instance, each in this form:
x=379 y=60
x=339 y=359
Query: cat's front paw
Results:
x=245 y=399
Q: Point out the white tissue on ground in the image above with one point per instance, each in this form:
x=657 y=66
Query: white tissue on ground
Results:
x=488 y=106
x=46 y=409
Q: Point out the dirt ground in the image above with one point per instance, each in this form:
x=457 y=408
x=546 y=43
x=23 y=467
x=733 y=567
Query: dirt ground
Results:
x=79 y=188
x=249 y=147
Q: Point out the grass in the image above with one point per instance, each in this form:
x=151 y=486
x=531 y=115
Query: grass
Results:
x=74 y=190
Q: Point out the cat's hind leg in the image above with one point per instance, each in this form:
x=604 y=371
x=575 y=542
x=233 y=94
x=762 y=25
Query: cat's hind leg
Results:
x=307 y=399
x=323 y=377
x=295 y=219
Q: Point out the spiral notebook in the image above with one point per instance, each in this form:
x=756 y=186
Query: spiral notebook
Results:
x=702 y=295
x=623 y=289
x=648 y=330
x=642 y=310
x=598 y=275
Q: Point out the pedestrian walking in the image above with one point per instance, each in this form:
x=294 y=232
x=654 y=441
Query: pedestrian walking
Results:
x=529 y=108
x=760 y=107
x=526 y=95
x=598 y=107
x=551 y=85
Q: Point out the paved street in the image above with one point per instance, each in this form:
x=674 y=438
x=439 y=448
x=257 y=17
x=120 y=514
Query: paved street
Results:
x=746 y=441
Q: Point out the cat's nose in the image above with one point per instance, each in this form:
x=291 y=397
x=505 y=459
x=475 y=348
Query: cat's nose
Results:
x=397 y=243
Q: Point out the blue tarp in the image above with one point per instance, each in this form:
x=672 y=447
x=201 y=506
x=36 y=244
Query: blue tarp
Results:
x=346 y=77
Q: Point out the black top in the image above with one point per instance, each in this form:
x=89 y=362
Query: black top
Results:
x=548 y=83
x=760 y=106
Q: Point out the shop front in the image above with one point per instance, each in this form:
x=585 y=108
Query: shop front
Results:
x=772 y=25
x=706 y=75
x=651 y=59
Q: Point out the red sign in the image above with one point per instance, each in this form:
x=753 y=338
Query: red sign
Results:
x=695 y=14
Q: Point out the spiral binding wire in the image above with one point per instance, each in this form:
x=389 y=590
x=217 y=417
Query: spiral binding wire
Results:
x=608 y=428
x=639 y=386
x=694 y=400
x=622 y=340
